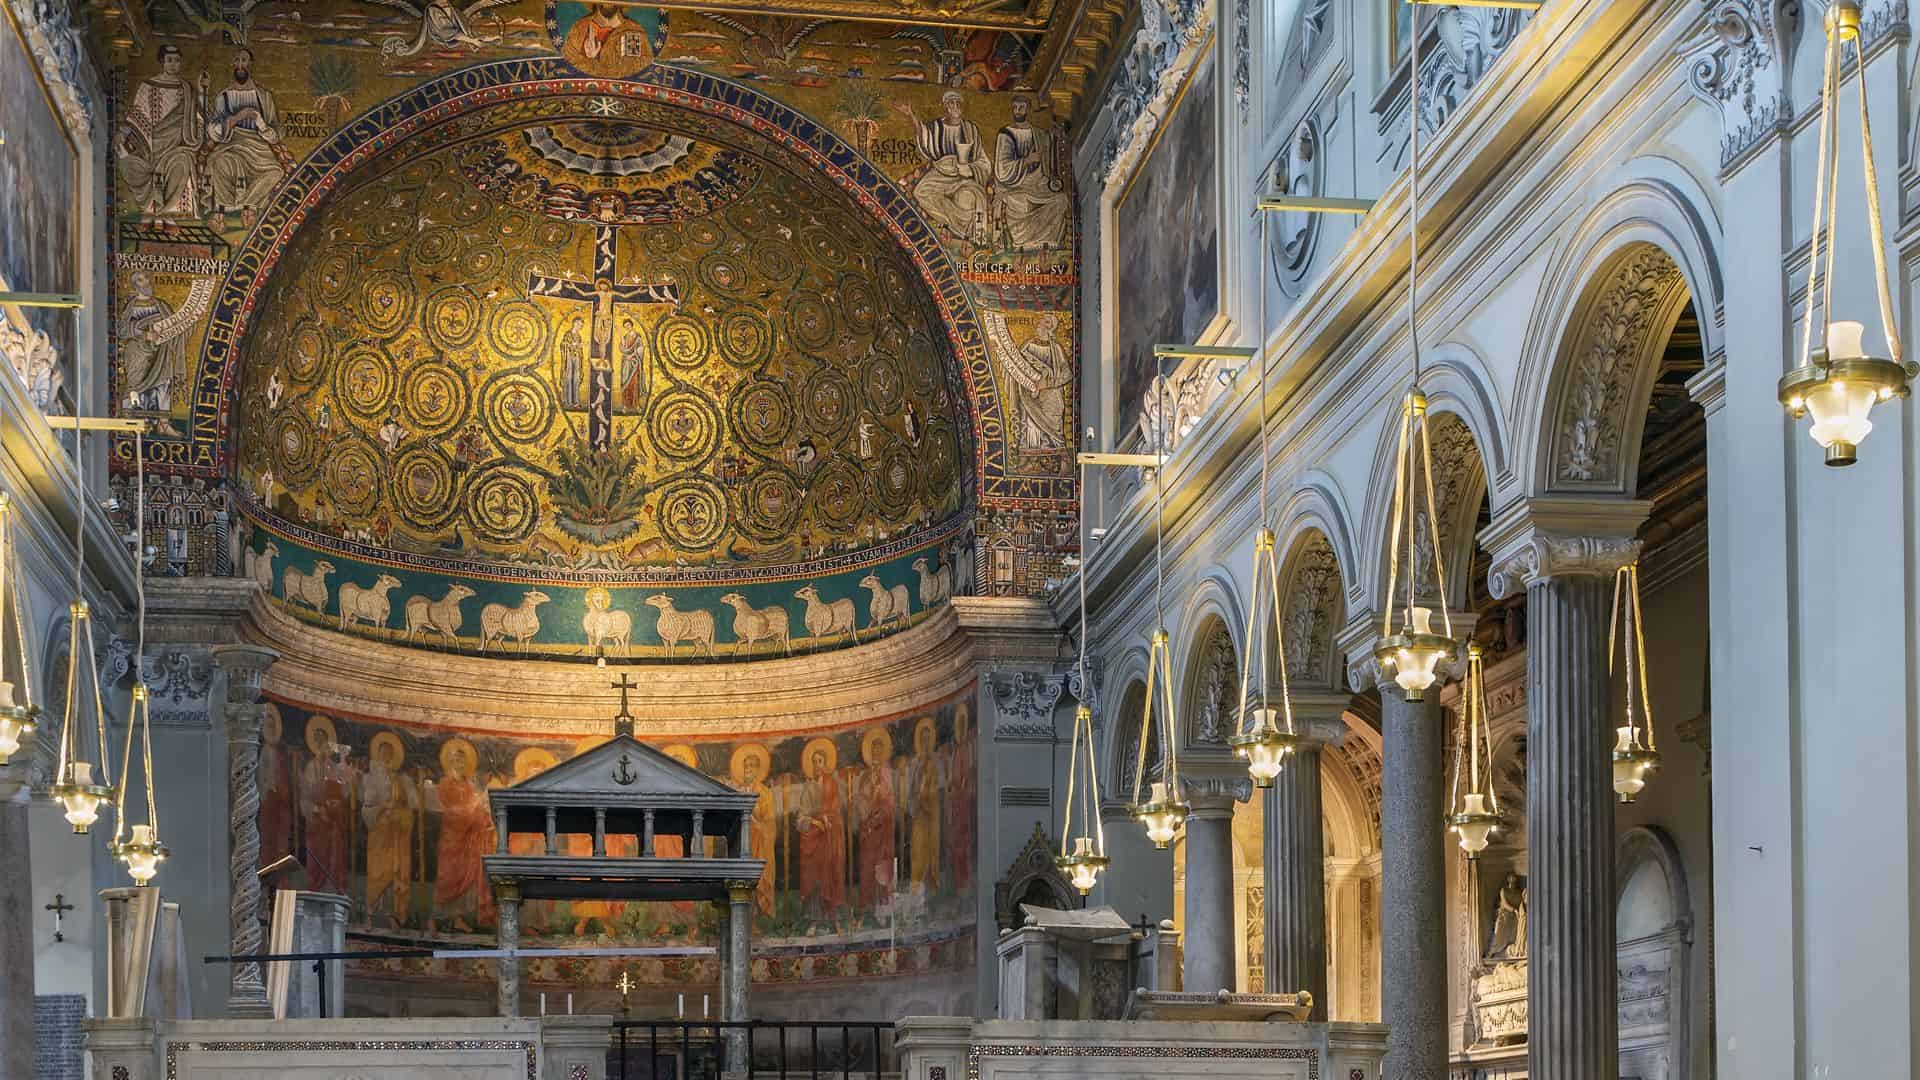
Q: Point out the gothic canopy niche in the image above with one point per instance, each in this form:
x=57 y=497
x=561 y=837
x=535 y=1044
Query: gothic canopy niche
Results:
x=575 y=375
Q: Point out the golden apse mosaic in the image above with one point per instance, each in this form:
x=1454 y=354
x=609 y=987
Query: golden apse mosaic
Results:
x=212 y=131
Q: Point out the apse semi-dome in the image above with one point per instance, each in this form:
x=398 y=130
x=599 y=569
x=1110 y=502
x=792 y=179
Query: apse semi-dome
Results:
x=600 y=384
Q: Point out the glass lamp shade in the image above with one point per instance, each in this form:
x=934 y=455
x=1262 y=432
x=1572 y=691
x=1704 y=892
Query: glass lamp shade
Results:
x=1415 y=655
x=1162 y=815
x=80 y=796
x=1475 y=824
x=16 y=722
x=1631 y=763
x=1839 y=390
x=1264 y=749
x=1083 y=866
x=143 y=854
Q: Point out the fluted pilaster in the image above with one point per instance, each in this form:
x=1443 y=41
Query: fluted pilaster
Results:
x=1413 y=888
x=1573 y=1024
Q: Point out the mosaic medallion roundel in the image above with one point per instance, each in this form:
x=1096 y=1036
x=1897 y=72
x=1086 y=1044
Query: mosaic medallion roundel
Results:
x=810 y=321
x=517 y=329
x=353 y=472
x=893 y=481
x=770 y=504
x=386 y=302
x=453 y=317
x=435 y=397
x=363 y=382
x=838 y=494
x=311 y=351
x=661 y=241
x=895 y=285
x=334 y=276
x=828 y=404
x=421 y=485
x=761 y=412
x=436 y=246
x=480 y=261
x=942 y=455
x=681 y=340
x=517 y=407
x=859 y=303
x=296 y=452
x=746 y=338
x=501 y=506
x=776 y=262
x=551 y=234
x=825 y=247
x=724 y=274
x=693 y=513
x=886 y=387
x=684 y=426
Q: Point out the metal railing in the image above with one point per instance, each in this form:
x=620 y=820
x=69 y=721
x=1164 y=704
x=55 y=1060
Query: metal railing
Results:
x=697 y=1050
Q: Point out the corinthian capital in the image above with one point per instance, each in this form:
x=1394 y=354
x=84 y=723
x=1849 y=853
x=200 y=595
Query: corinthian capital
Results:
x=246 y=666
x=1743 y=66
x=1561 y=536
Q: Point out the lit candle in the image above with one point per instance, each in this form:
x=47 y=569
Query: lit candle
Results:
x=569 y=1003
x=683 y=1005
x=543 y=1003
x=703 y=1006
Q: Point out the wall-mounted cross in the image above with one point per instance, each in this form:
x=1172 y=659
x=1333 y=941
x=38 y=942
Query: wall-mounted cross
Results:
x=623 y=720
x=59 y=907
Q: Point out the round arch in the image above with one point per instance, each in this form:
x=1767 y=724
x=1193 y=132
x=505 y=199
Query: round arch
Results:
x=432 y=109
x=1588 y=366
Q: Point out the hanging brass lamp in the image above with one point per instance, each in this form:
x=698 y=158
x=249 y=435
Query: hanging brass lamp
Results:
x=1634 y=753
x=78 y=787
x=1083 y=856
x=1475 y=817
x=142 y=851
x=1838 y=382
x=1412 y=654
x=1163 y=812
x=1265 y=737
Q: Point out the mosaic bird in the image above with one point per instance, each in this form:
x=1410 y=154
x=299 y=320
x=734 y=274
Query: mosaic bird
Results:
x=769 y=42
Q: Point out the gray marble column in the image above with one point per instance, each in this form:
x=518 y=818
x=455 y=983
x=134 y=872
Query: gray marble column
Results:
x=1295 y=867
x=736 y=1001
x=1572 y=971
x=1413 y=932
x=1208 y=963
x=1565 y=552
x=245 y=666
x=16 y=926
x=506 y=899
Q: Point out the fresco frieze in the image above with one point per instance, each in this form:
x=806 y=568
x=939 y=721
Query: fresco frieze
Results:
x=868 y=833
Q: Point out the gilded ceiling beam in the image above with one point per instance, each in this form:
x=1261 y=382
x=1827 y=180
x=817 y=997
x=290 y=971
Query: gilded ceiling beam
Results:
x=994 y=15
x=1076 y=52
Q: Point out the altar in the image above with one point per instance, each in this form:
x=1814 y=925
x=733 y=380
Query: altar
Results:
x=627 y=790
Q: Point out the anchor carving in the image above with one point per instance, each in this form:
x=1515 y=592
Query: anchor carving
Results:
x=623 y=773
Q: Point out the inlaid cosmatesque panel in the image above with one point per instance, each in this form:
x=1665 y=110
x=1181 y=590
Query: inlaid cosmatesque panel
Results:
x=867 y=830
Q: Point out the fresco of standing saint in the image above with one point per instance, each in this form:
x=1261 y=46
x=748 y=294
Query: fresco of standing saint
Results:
x=460 y=891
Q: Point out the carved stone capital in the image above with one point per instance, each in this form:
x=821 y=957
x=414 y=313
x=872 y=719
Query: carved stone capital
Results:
x=1024 y=702
x=1561 y=536
x=1212 y=793
x=246 y=666
x=1743 y=66
x=1560 y=556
